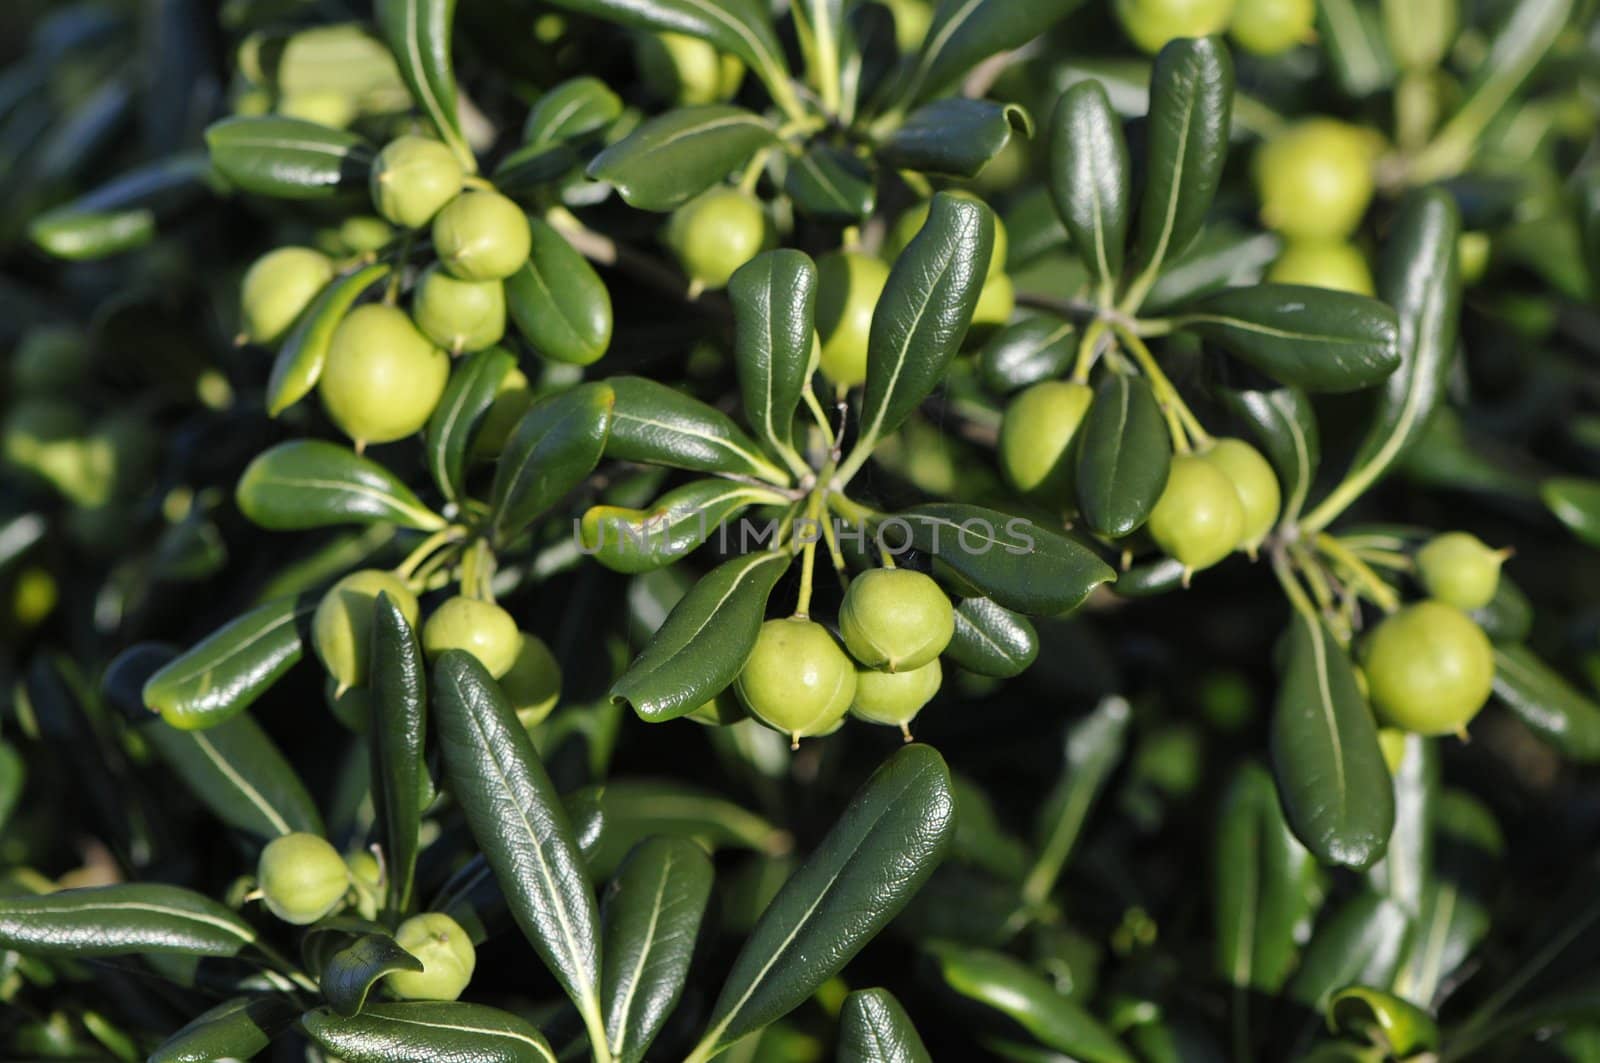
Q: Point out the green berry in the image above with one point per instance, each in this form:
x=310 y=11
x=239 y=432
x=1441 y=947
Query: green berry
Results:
x=278 y=288
x=533 y=683
x=1151 y=24
x=1199 y=519
x=848 y=286
x=1037 y=440
x=1430 y=669
x=460 y=316
x=1459 y=570
x=413 y=178
x=1323 y=264
x=482 y=236
x=382 y=377
x=894 y=698
x=716 y=233
x=1474 y=249
x=1271 y=27
x=1255 y=482
x=686 y=70
x=341 y=629
x=896 y=619
x=481 y=628
x=364 y=234
x=911 y=21
x=302 y=878
x=332 y=109
x=797 y=679
x=995 y=302
x=1315 y=179
x=447 y=956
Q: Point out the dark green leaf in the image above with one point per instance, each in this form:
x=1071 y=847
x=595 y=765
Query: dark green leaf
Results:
x=472 y=389
x=222 y=675
x=1152 y=578
x=1222 y=256
x=399 y=697
x=1455 y=914
x=1315 y=338
x=304 y=351
x=578 y=107
x=121 y=214
x=239 y=774
x=680 y=521
x=874 y=1028
x=288 y=158
x=954 y=137
x=558 y=302
x=705 y=641
x=350 y=973
x=1332 y=778
x=240 y=1028
x=1017 y=563
x=1093 y=748
x=966 y=32
x=418 y=32
x=1285 y=425
x=1405 y=869
x=13 y=776
x=1576 y=503
x=116 y=920
x=652 y=912
x=830 y=184
x=1588 y=194
x=991 y=640
x=552 y=449
x=774 y=306
x=628 y=812
x=879 y=853
x=428 y=1032
x=1551 y=707
x=1124 y=456
x=671 y=159
x=1372 y=1014
x=1509 y=615
x=659 y=425
x=1089 y=179
x=308 y=483
x=1360 y=943
x=1028 y=351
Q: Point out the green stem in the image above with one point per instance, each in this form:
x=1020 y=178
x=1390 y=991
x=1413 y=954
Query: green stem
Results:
x=1089 y=349
x=1381 y=594
x=408 y=567
x=808 y=556
x=1166 y=394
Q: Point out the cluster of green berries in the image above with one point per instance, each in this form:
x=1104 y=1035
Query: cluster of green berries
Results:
x=882 y=667
x=1264 y=27
x=1315 y=183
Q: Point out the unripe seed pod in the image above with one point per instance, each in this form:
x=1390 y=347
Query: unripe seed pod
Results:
x=896 y=619
x=533 y=683
x=341 y=629
x=481 y=628
x=382 y=377
x=1315 y=179
x=1038 y=437
x=1151 y=24
x=1198 y=519
x=894 y=698
x=278 y=288
x=413 y=178
x=716 y=233
x=1255 y=482
x=797 y=679
x=482 y=236
x=302 y=878
x=848 y=286
x=447 y=956
x=1323 y=264
x=1459 y=570
x=460 y=316
x=1430 y=669
x=1271 y=27
x=686 y=70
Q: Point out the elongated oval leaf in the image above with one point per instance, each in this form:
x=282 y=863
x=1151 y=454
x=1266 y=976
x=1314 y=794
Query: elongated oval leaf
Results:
x=121 y=214
x=955 y=136
x=1028 y=351
x=1017 y=563
x=641 y=540
x=874 y=1028
x=830 y=184
x=966 y=32
x=991 y=640
x=705 y=641
x=399 y=726
x=288 y=158
x=882 y=849
x=472 y=389
x=418 y=32
x=552 y=449
x=1575 y=503
x=627 y=812
x=1315 y=338
x=1456 y=904
x=222 y=675
x=558 y=302
x=1331 y=775
x=652 y=913
x=520 y=824
x=350 y=973
x=299 y=362
x=1123 y=457
x=774 y=306
x=578 y=107
x=669 y=160
x=428 y=1032
x=240 y=1028
x=116 y=920
x=659 y=425
x=1551 y=707
x=1089 y=179
x=1222 y=256
x=1361 y=943
x=309 y=483
x=1285 y=425
x=240 y=775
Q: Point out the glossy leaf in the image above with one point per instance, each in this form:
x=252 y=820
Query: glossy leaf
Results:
x=428 y=1032
x=304 y=351
x=1362 y=1011
x=991 y=640
x=966 y=32
x=830 y=184
x=874 y=1028
x=1028 y=351
x=552 y=449
x=473 y=386
x=705 y=641
x=652 y=912
x=680 y=521
x=578 y=107
x=288 y=158
x=1361 y=943
x=774 y=305
x=1123 y=457
x=418 y=32
x=1551 y=707
x=628 y=812
x=558 y=302
x=1018 y=564
x=1314 y=338
x=881 y=850
x=1405 y=869
x=520 y=824
x=954 y=137
x=399 y=697
x=1332 y=778
x=1222 y=256
x=240 y=775
x=308 y=483
x=659 y=425
x=1284 y=423
x=122 y=919
x=671 y=159
x=1455 y=914
x=1089 y=179
x=350 y=973
x=1575 y=503
x=240 y=1028
x=225 y=673
x=121 y=214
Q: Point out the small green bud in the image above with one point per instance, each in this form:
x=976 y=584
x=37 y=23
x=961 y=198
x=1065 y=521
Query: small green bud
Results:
x=447 y=956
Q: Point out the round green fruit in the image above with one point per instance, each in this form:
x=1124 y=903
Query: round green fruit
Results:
x=1254 y=481
x=848 y=286
x=447 y=956
x=1150 y=24
x=341 y=629
x=1430 y=669
x=1315 y=179
x=911 y=21
x=686 y=70
x=1037 y=440
x=413 y=178
x=482 y=236
x=797 y=679
x=481 y=628
x=894 y=698
x=715 y=234
x=533 y=682
x=1199 y=518
x=460 y=316
x=301 y=877
x=1271 y=27
x=896 y=619
x=995 y=302
x=364 y=234
x=1460 y=570
x=1323 y=264
x=1473 y=248
x=278 y=288
x=382 y=377
x=332 y=109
